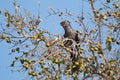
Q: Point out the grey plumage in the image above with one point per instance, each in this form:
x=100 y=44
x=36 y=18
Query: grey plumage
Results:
x=70 y=34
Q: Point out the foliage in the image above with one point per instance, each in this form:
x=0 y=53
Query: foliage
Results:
x=43 y=55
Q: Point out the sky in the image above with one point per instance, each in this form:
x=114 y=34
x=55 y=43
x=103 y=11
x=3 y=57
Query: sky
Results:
x=51 y=24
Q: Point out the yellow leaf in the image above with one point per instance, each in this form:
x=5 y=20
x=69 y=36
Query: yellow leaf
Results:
x=47 y=44
x=29 y=15
x=105 y=17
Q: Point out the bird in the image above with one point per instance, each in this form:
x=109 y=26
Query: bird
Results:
x=70 y=34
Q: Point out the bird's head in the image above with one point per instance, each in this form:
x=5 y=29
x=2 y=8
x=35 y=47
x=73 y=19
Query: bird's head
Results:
x=65 y=23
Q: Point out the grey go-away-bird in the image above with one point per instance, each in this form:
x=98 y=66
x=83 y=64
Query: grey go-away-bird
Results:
x=70 y=34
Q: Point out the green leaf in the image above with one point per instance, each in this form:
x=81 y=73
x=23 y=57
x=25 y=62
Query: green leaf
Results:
x=14 y=3
x=109 y=46
x=85 y=73
x=40 y=34
x=8 y=40
x=112 y=61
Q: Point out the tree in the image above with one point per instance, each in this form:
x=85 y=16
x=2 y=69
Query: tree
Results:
x=44 y=56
